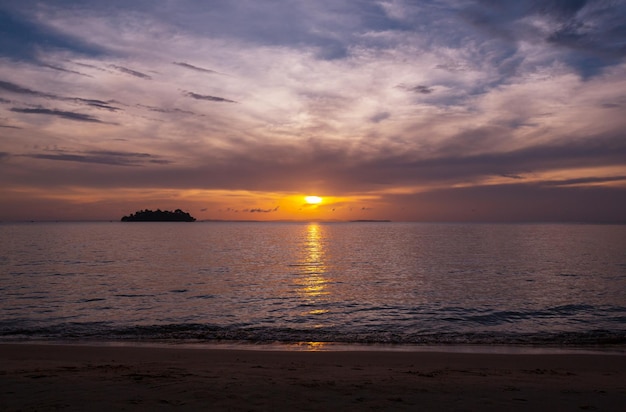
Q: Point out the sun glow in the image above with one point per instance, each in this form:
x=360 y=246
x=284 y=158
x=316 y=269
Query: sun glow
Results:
x=313 y=200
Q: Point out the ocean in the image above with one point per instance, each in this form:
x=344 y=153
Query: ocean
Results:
x=306 y=283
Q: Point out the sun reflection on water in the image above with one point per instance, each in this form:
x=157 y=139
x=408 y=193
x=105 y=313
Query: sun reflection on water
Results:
x=313 y=346
x=313 y=283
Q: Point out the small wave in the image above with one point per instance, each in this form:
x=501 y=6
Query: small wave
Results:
x=131 y=295
x=570 y=309
x=204 y=297
x=193 y=332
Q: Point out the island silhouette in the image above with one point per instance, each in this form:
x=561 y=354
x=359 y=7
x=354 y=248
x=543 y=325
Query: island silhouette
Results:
x=159 y=216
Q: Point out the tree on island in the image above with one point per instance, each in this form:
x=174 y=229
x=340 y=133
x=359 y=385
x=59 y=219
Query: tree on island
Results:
x=159 y=216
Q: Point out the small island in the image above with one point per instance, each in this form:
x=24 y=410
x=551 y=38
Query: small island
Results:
x=159 y=216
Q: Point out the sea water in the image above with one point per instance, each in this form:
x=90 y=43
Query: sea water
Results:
x=365 y=282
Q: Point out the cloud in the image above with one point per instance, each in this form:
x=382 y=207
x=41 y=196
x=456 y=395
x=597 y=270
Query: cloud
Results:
x=59 y=113
x=95 y=103
x=248 y=210
x=209 y=98
x=589 y=33
x=583 y=181
x=420 y=89
x=512 y=176
x=168 y=110
x=23 y=36
x=101 y=157
x=131 y=72
x=515 y=203
x=17 y=89
x=61 y=69
x=379 y=117
x=14 y=88
x=597 y=151
x=364 y=98
x=90 y=66
x=196 y=68
x=259 y=210
x=595 y=28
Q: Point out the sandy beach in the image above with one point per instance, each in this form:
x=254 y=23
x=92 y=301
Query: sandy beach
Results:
x=87 y=377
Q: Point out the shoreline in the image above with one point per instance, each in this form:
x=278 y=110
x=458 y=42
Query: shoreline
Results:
x=486 y=349
x=36 y=376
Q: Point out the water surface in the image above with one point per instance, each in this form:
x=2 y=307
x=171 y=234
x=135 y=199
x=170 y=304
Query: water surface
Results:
x=406 y=283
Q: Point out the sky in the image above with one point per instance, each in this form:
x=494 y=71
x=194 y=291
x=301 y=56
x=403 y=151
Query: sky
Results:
x=433 y=110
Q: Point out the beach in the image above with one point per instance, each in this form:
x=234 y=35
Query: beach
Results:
x=105 y=377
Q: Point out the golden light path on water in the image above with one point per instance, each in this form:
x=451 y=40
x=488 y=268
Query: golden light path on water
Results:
x=313 y=284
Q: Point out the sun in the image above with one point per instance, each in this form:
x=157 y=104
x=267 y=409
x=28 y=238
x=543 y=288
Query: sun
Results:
x=313 y=200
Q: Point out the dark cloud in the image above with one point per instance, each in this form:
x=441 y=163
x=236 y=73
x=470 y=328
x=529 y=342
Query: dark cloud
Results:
x=611 y=105
x=379 y=117
x=112 y=158
x=453 y=164
x=590 y=32
x=59 y=113
x=91 y=66
x=9 y=127
x=95 y=103
x=498 y=16
x=420 y=89
x=196 y=68
x=328 y=27
x=209 y=98
x=563 y=9
x=17 y=89
x=512 y=176
x=452 y=67
x=594 y=46
x=583 y=180
x=131 y=72
x=119 y=154
x=61 y=69
x=163 y=110
x=345 y=168
x=259 y=210
x=515 y=203
x=23 y=38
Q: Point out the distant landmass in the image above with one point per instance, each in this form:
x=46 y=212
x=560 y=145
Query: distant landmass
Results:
x=369 y=220
x=159 y=216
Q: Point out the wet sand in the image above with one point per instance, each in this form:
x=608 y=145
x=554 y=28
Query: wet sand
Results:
x=87 y=377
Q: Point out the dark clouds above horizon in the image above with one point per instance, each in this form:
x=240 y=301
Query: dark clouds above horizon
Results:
x=392 y=103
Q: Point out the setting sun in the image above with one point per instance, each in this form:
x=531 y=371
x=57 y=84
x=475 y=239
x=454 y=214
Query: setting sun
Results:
x=313 y=200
